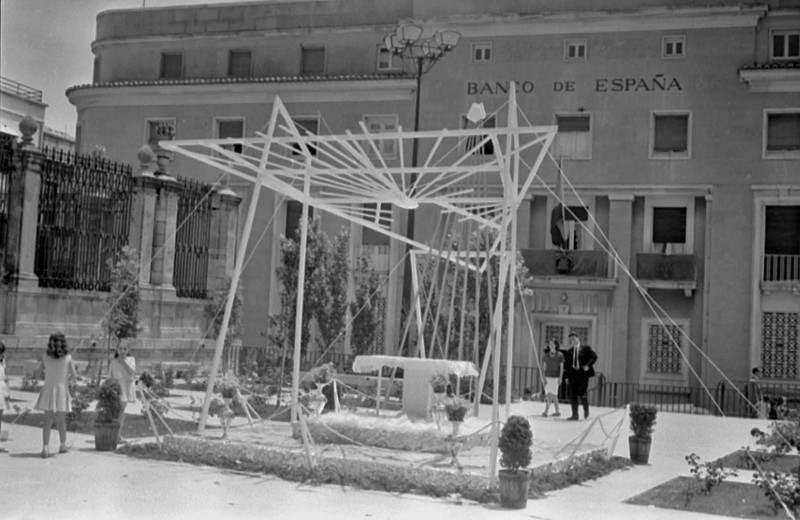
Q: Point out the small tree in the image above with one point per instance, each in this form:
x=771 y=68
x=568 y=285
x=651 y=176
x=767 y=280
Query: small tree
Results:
x=365 y=310
x=122 y=318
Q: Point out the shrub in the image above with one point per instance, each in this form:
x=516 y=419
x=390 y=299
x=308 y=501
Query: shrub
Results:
x=108 y=401
x=643 y=418
x=226 y=384
x=515 y=442
x=456 y=409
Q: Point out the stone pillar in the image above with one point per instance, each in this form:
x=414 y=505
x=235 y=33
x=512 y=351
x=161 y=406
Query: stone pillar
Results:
x=26 y=185
x=619 y=233
x=143 y=209
x=224 y=234
x=165 y=224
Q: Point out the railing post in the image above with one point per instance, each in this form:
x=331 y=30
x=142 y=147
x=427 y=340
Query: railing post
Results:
x=26 y=184
x=222 y=243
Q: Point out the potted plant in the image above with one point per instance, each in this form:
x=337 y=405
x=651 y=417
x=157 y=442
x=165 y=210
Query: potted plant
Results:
x=322 y=377
x=643 y=417
x=219 y=407
x=106 y=423
x=515 y=442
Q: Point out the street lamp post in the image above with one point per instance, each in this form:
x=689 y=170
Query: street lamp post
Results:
x=419 y=55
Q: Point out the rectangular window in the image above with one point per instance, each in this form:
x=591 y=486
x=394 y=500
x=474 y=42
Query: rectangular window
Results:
x=575 y=50
x=669 y=225
x=388 y=61
x=487 y=148
x=671 y=135
x=239 y=63
x=782 y=230
x=306 y=126
x=171 y=65
x=312 y=60
x=156 y=130
x=782 y=137
x=673 y=46
x=230 y=128
x=570 y=227
x=786 y=45
x=574 y=137
x=481 y=52
x=96 y=70
x=294 y=215
x=382 y=124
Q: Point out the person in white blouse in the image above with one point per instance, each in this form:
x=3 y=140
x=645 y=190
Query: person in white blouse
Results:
x=123 y=369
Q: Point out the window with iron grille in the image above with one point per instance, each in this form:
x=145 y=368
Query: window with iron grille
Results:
x=239 y=63
x=664 y=346
x=312 y=60
x=159 y=130
x=779 y=338
x=473 y=141
x=786 y=45
x=171 y=65
x=574 y=138
x=782 y=131
x=671 y=135
x=230 y=128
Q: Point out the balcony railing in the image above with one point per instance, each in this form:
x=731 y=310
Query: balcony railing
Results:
x=571 y=264
x=781 y=268
x=672 y=268
x=12 y=87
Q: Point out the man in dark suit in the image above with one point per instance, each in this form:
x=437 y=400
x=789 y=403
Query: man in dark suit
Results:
x=579 y=363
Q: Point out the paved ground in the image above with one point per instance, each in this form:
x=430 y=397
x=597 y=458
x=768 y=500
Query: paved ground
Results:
x=89 y=484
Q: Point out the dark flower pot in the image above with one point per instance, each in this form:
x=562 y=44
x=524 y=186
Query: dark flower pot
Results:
x=639 y=449
x=514 y=488
x=106 y=435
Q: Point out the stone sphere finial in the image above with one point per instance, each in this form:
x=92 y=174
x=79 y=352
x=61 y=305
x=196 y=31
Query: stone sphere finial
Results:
x=146 y=156
x=27 y=127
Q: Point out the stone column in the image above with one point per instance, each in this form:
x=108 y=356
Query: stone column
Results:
x=165 y=223
x=143 y=209
x=619 y=233
x=224 y=234
x=26 y=185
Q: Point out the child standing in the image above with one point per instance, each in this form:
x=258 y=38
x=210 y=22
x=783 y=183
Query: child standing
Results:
x=4 y=393
x=54 y=399
x=553 y=363
x=123 y=369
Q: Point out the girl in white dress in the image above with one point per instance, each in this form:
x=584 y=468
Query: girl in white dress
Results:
x=123 y=369
x=4 y=393
x=54 y=399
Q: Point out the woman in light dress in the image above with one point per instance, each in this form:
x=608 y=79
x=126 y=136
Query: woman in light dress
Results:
x=123 y=369
x=54 y=399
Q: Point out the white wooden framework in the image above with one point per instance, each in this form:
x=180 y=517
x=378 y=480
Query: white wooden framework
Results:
x=341 y=173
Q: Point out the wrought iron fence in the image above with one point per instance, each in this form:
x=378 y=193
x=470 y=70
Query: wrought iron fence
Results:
x=256 y=359
x=192 y=239
x=84 y=219
x=6 y=168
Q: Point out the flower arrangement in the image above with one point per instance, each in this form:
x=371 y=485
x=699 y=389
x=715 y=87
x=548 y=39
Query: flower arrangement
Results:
x=456 y=409
x=220 y=409
x=643 y=418
x=439 y=382
x=108 y=401
x=515 y=442
x=323 y=374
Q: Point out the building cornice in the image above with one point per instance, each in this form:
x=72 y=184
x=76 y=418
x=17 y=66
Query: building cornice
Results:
x=246 y=90
x=772 y=77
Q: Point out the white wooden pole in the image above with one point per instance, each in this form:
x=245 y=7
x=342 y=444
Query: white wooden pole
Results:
x=298 y=320
x=509 y=199
x=417 y=307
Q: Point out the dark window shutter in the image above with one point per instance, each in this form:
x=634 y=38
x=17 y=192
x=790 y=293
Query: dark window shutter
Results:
x=573 y=123
x=783 y=132
x=671 y=133
x=782 y=233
